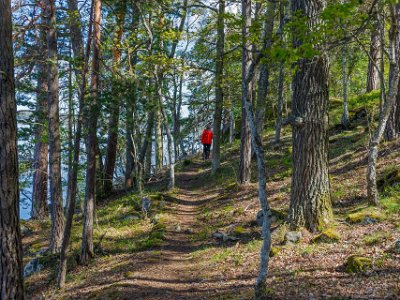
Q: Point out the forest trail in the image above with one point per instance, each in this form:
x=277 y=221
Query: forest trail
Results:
x=171 y=271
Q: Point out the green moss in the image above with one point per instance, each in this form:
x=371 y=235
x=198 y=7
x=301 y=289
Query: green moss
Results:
x=239 y=230
x=326 y=213
x=358 y=264
x=327 y=236
x=274 y=251
x=391 y=202
x=376 y=238
x=360 y=216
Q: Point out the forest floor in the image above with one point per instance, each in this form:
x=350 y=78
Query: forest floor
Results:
x=177 y=252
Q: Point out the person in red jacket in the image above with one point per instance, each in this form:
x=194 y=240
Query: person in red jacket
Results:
x=206 y=140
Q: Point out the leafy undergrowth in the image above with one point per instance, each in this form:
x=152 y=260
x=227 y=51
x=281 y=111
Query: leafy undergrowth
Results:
x=203 y=241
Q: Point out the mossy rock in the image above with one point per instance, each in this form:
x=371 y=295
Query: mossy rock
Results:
x=358 y=264
x=274 y=251
x=388 y=179
x=239 y=230
x=362 y=216
x=327 y=236
x=232 y=186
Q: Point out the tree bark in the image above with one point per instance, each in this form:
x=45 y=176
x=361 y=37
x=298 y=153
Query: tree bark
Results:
x=11 y=280
x=40 y=164
x=259 y=152
x=373 y=74
x=263 y=79
x=57 y=214
x=345 y=117
x=231 y=126
x=171 y=162
x=394 y=51
x=310 y=204
x=112 y=140
x=75 y=29
x=245 y=139
x=281 y=79
x=90 y=195
x=219 y=91
x=131 y=102
x=159 y=139
x=178 y=141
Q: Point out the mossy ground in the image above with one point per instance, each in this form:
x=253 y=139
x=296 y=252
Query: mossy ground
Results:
x=140 y=259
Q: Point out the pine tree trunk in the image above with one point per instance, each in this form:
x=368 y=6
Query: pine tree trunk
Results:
x=132 y=157
x=57 y=215
x=231 y=126
x=73 y=174
x=11 y=280
x=310 y=204
x=263 y=79
x=279 y=111
x=90 y=195
x=394 y=51
x=245 y=139
x=345 y=117
x=171 y=162
x=178 y=141
x=373 y=74
x=159 y=140
x=219 y=92
x=40 y=164
x=112 y=141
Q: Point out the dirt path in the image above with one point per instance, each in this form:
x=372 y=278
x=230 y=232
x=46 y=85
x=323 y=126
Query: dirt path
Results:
x=172 y=272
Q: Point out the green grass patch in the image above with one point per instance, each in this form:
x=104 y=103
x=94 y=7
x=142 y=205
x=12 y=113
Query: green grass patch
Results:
x=376 y=238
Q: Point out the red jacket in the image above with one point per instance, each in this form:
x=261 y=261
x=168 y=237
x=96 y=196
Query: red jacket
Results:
x=206 y=137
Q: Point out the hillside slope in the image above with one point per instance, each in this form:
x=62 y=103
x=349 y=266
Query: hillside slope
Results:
x=202 y=240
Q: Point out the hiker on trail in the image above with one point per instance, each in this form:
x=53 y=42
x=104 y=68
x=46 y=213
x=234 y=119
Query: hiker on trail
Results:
x=206 y=140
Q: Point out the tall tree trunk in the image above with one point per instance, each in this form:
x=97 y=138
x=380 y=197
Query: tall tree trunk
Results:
x=373 y=74
x=178 y=141
x=279 y=111
x=171 y=162
x=281 y=79
x=159 y=139
x=40 y=164
x=345 y=117
x=219 y=91
x=259 y=152
x=146 y=150
x=112 y=141
x=245 y=139
x=75 y=29
x=310 y=203
x=231 y=126
x=11 y=280
x=73 y=173
x=131 y=102
x=148 y=156
x=263 y=79
x=394 y=51
x=57 y=215
x=90 y=195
